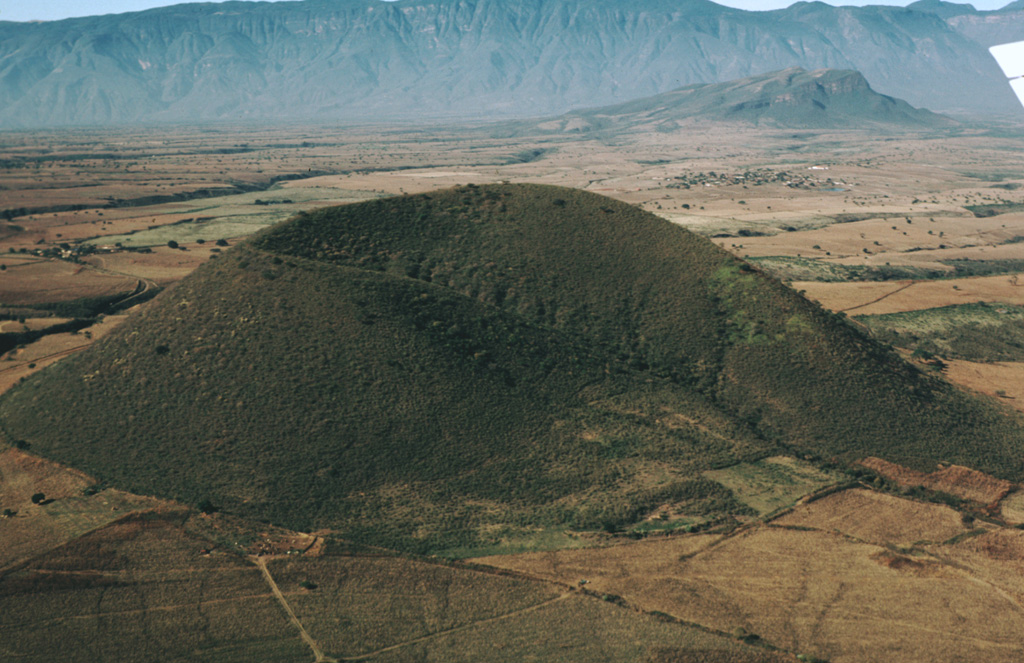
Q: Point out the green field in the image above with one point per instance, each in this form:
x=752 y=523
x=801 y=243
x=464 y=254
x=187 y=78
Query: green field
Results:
x=788 y=268
x=975 y=332
x=227 y=217
x=773 y=483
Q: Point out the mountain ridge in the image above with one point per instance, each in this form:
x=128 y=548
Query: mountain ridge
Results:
x=435 y=59
x=792 y=98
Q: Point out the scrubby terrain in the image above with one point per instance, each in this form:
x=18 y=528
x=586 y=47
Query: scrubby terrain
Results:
x=442 y=371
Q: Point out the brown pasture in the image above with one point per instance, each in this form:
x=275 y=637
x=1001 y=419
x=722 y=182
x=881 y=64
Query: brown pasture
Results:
x=955 y=480
x=163 y=266
x=892 y=238
x=876 y=298
x=140 y=589
x=1003 y=381
x=877 y=518
x=48 y=281
x=66 y=512
x=819 y=591
x=29 y=324
x=19 y=363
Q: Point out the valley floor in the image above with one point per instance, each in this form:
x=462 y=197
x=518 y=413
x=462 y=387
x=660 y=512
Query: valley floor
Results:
x=920 y=238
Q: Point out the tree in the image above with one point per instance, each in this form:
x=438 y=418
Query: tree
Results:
x=172 y=244
x=38 y=498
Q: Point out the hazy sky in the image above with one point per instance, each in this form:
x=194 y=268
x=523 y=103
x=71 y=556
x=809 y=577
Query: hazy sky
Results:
x=48 y=10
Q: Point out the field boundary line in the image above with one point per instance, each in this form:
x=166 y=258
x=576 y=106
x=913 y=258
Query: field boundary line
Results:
x=303 y=633
x=51 y=356
x=875 y=301
x=19 y=564
x=456 y=629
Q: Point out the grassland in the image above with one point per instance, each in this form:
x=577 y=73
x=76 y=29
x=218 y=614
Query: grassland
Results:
x=974 y=332
x=790 y=268
x=773 y=483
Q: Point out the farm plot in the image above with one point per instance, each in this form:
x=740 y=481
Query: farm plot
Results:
x=141 y=590
x=773 y=483
x=878 y=298
x=71 y=505
x=807 y=591
x=47 y=281
x=877 y=518
x=957 y=480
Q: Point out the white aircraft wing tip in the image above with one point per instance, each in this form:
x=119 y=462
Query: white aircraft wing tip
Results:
x=1010 y=58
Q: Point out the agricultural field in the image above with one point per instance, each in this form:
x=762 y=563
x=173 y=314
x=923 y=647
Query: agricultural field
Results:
x=838 y=579
x=774 y=483
x=141 y=590
x=878 y=518
x=985 y=332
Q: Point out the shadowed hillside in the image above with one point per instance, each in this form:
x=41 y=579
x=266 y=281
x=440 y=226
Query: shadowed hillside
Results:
x=446 y=370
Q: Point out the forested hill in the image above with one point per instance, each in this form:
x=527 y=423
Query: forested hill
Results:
x=435 y=370
x=435 y=59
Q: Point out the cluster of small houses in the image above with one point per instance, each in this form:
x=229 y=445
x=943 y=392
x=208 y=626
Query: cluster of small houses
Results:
x=66 y=251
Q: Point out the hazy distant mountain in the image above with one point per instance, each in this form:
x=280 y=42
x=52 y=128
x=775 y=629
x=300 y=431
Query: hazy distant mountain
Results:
x=826 y=98
x=942 y=9
x=429 y=59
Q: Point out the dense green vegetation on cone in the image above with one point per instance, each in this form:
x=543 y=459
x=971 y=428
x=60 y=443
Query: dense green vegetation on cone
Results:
x=444 y=370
